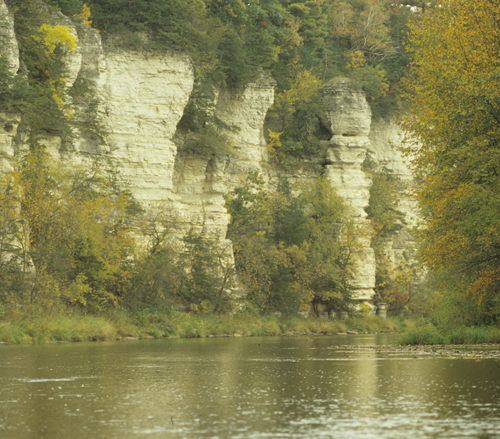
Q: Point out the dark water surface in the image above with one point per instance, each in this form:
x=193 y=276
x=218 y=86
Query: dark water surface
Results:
x=271 y=387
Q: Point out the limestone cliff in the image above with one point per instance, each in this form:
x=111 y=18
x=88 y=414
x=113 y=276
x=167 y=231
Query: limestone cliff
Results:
x=8 y=42
x=348 y=117
x=141 y=98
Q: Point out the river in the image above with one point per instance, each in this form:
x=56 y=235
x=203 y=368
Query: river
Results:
x=256 y=387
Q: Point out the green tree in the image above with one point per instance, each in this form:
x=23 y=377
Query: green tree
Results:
x=208 y=278
x=196 y=272
x=15 y=262
x=453 y=110
x=332 y=240
x=79 y=221
x=295 y=116
x=291 y=246
x=39 y=92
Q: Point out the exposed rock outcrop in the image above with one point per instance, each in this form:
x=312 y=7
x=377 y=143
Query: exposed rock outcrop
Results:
x=141 y=98
x=385 y=137
x=8 y=42
x=8 y=130
x=200 y=183
x=348 y=117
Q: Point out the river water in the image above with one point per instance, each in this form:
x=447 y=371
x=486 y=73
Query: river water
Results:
x=269 y=387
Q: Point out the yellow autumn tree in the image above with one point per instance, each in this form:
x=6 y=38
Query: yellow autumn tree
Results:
x=79 y=238
x=52 y=37
x=453 y=119
x=85 y=15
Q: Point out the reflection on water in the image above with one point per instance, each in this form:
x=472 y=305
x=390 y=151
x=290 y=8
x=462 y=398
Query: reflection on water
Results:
x=288 y=387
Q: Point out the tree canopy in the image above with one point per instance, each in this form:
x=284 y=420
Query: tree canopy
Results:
x=288 y=247
x=453 y=116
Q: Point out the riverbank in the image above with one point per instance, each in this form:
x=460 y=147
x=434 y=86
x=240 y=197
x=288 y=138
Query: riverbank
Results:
x=41 y=325
x=37 y=325
x=427 y=334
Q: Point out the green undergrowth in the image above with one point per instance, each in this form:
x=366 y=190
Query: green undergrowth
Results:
x=428 y=334
x=37 y=325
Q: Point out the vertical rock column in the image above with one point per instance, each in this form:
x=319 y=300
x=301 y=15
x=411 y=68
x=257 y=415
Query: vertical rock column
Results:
x=9 y=50
x=8 y=43
x=385 y=137
x=201 y=182
x=348 y=117
x=247 y=111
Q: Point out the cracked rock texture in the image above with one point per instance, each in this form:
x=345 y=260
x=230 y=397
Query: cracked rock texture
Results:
x=385 y=137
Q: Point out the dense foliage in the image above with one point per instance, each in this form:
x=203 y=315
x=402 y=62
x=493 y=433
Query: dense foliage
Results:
x=302 y=44
x=395 y=281
x=453 y=99
x=72 y=235
x=39 y=90
x=292 y=248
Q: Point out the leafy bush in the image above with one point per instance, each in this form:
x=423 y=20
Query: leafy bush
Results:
x=79 y=223
x=287 y=245
x=427 y=335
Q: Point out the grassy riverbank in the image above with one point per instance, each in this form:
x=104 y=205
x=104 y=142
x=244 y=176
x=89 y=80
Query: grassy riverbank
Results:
x=428 y=334
x=37 y=325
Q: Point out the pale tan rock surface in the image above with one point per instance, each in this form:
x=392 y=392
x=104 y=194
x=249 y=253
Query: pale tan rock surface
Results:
x=8 y=43
x=348 y=117
x=8 y=130
x=143 y=98
x=385 y=140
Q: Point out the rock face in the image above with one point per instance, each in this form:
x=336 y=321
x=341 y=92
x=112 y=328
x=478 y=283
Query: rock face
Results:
x=348 y=117
x=141 y=98
x=200 y=183
x=384 y=139
x=8 y=43
x=8 y=130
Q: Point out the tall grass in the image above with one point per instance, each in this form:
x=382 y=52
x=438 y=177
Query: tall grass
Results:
x=474 y=335
x=39 y=325
x=427 y=335
x=431 y=335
